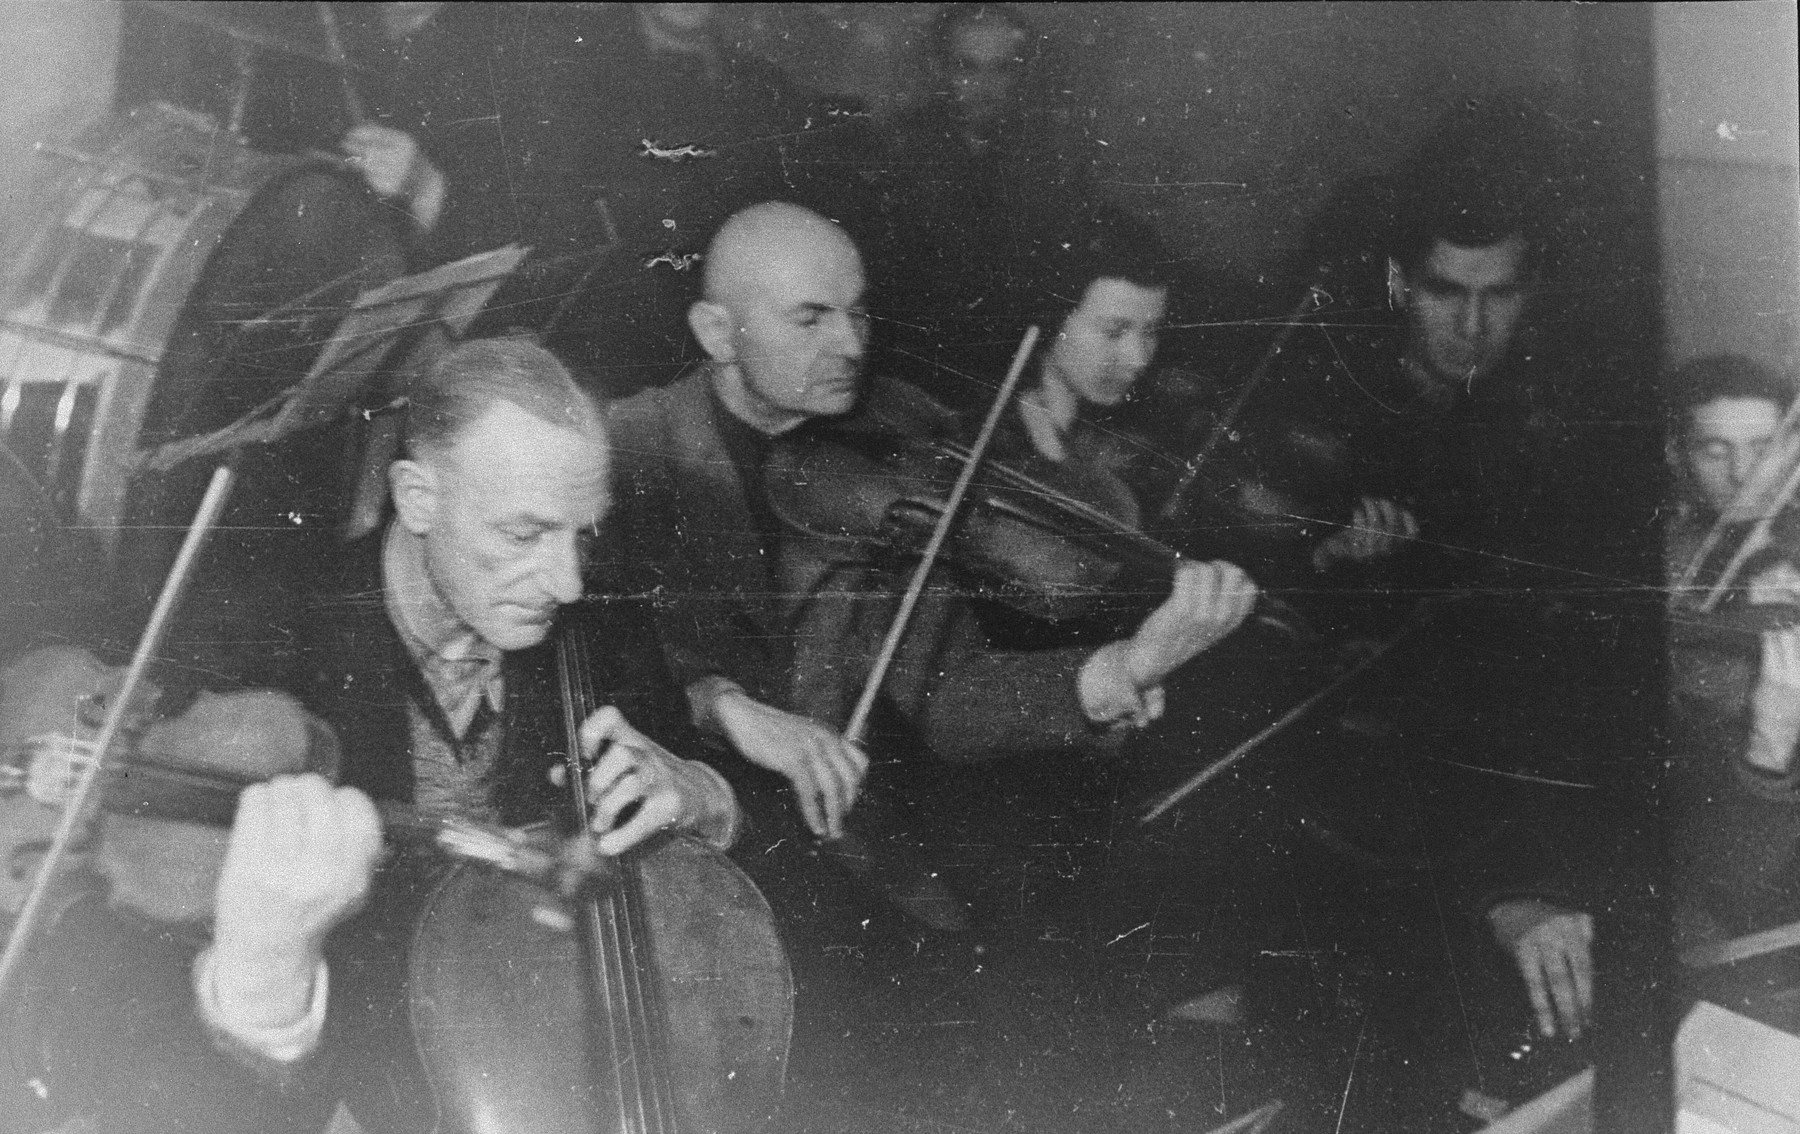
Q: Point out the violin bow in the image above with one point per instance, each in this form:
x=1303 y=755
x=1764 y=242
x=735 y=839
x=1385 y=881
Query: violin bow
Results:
x=1309 y=303
x=353 y=102
x=1224 y=764
x=865 y=705
x=150 y=643
x=1755 y=483
x=1754 y=541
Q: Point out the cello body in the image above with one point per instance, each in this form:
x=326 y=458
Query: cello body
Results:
x=511 y=1039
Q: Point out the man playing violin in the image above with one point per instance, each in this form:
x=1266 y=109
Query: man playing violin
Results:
x=1736 y=781
x=1736 y=700
x=770 y=646
x=427 y=650
x=1439 y=407
x=1727 y=411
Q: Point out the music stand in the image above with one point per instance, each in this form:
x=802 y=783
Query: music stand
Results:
x=450 y=296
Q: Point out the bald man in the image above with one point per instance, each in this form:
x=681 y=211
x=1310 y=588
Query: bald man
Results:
x=770 y=648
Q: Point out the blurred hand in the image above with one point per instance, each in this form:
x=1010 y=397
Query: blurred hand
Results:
x=826 y=770
x=1775 y=702
x=1209 y=601
x=394 y=166
x=300 y=860
x=1377 y=526
x=633 y=769
x=1553 y=949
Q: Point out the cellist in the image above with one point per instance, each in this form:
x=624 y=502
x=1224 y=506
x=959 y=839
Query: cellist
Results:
x=423 y=648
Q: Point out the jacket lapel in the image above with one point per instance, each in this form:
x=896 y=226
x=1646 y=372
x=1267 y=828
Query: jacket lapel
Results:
x=720 y=543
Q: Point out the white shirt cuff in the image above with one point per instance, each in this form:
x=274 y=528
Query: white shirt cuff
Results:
x=277 y=1049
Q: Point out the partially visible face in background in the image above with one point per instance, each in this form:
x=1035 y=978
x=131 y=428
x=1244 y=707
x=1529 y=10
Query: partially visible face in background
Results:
x=985 y=60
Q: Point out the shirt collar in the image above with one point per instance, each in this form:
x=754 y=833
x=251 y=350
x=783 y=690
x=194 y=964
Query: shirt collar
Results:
x=458 y=664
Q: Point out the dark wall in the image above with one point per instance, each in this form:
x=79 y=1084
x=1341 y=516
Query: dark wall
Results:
x=1227 y=122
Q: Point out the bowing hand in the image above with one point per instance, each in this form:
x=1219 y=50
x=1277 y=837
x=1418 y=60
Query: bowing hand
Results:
x=631 y=769
x=826 y=770
x=1377 y=526
x=394 y=165
x=1209 y=601
x=1775 y=702
x=300 y=860
x=1780 y=673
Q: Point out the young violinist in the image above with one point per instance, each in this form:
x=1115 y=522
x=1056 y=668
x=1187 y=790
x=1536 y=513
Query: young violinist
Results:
x=1735 y=695
x=1105 y=288
x=1726 y=411
x=1735 y=789
x=426 y=648
x=1463 y=308
x=1433 y=386
x=771 y=643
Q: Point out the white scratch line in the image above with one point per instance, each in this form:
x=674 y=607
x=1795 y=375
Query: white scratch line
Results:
x=673 y=153
x=1344 y=1104
x=1127 y=933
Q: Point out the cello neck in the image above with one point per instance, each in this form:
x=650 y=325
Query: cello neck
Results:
x=627 y=1029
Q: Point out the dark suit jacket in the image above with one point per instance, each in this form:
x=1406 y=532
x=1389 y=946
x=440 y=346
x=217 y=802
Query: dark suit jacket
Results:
x=802 y=631
x=354 y=671
x=116 y=1016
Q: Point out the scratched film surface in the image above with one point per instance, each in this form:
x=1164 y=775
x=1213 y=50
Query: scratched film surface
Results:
x=1296 y=945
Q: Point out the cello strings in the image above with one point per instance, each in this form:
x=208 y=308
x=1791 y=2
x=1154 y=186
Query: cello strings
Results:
x=618 y=972
x=642 y=1001
x=643 y=1004
x=595 y=953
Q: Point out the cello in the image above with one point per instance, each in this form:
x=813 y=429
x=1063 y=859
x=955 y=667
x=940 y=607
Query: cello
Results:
x=684 y=1007
x=648 y=994
x=111 y=754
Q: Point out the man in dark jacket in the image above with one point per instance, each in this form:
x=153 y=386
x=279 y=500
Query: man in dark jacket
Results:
x=427 y=651
x=772 y=635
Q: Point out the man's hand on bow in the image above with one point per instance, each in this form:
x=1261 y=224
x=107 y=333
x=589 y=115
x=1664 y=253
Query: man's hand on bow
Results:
x=1377 y=527
x=826 y=770
x=301 y=856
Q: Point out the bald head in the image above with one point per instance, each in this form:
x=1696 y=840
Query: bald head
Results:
x=782 y=317
x=766 y=246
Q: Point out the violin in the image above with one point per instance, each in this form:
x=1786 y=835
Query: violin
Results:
x=159 y=820
x=644 y=995
x=1045 y=541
